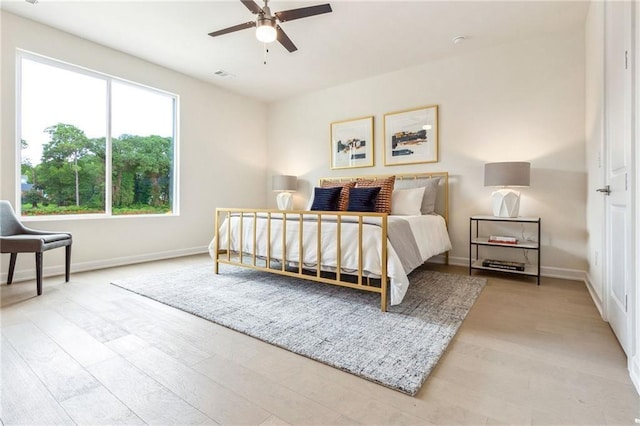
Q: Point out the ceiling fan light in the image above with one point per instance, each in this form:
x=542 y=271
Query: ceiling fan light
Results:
x=266 y=31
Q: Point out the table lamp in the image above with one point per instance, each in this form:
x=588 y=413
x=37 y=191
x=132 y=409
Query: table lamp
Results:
x=285 y=185
x=505 y=202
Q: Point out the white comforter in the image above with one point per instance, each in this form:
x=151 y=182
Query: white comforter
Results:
x=429 y=231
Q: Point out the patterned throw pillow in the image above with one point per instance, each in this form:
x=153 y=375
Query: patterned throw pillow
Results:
x=344 y=195
x=363 y=199
x=326 y=199
x=383 y=203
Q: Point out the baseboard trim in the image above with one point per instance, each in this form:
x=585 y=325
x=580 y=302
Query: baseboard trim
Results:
x=634 y=372
x=458 y=261
x=569 y=274
x=439 y=259
x=30 y=274
x=564 y=273
x=594 y=296
x=551 y=272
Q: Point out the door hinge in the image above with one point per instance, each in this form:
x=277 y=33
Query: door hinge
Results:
x=626 y=186
x=626 y=299
x=626 y=59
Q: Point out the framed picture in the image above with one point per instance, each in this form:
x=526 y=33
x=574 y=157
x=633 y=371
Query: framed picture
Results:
x=411 y=136
x=352 y=143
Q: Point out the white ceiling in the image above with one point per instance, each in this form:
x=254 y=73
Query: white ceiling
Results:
x=357 y=40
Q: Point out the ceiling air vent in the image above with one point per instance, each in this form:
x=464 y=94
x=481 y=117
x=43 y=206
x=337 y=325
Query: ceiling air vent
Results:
x=222 y=74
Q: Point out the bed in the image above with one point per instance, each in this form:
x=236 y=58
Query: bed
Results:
x=369 y=251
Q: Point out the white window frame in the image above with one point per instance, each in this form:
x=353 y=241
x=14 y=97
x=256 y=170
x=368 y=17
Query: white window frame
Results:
x=175 y=205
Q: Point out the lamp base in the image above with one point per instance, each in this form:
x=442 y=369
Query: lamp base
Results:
x=505 y=203
x=284 y=201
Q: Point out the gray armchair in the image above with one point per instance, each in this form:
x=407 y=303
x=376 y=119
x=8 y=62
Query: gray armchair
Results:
x=16 y=238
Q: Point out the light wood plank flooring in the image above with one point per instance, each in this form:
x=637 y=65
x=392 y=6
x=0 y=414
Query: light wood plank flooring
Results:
x=87 y=352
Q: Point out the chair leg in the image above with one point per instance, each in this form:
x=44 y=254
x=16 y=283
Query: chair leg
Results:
x=39 y=272
x=12 y=267
x=67 y=263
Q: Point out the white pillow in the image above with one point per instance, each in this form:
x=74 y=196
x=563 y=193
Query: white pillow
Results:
x=430 y=193
x=407 y=202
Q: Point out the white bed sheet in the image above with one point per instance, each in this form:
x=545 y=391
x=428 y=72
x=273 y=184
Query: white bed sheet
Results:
x=429 y=230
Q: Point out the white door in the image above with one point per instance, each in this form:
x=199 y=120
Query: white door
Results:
x=618 y=139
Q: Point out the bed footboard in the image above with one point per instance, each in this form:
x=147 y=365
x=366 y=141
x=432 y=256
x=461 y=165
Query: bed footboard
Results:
x=293 y=243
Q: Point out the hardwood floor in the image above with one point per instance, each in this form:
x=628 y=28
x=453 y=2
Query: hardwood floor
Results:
x=87 y=352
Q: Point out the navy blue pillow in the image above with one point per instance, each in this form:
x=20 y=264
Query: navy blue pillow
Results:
x=363 y=199
x=326 y=199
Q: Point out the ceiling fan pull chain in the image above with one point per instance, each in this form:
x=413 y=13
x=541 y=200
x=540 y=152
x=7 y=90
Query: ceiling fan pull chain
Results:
x=266 y=50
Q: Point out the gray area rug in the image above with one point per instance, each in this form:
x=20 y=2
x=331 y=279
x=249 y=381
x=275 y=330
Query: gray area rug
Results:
x=341 y=327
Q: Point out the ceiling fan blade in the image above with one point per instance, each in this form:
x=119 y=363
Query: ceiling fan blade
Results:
x=303 y=12
x=233 y=29
x=252 y=6
x=285 y=40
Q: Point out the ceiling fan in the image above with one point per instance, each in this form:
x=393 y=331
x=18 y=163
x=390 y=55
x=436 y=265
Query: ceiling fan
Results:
x=267 y=28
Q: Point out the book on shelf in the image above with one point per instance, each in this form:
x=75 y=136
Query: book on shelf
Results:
x=503 y=240
x=503 y=264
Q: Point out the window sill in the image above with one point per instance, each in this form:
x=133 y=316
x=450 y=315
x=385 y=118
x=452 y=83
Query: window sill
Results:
x=73 y=217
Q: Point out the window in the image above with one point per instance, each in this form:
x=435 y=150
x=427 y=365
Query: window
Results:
x=92 y=144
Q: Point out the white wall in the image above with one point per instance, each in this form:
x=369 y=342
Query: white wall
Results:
x=523 y=101
x=518 y=102
x=217 y=168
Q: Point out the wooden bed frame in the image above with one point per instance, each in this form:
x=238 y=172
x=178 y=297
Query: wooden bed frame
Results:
x=358 y=281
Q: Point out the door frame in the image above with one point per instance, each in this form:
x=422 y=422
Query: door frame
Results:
x=634 y=360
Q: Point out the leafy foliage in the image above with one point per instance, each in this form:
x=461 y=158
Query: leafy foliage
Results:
x=70 y=178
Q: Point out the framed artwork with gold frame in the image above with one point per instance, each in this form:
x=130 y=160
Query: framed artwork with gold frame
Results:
x=352 y=143
x=411 y=136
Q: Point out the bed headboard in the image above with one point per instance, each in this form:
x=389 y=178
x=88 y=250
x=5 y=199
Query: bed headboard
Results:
x=442 y=199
